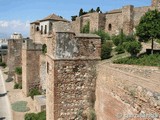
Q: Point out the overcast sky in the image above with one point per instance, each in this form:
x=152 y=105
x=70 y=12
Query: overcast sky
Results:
x=15 y=15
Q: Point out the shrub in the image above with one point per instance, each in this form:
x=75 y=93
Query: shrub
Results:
x=86 y=28
x=18 y=70
x=106 y=50
x=17 y=86
x=133 y=47
x=44 y=48
x=92 y=115
x=147 y=60
x=104 y=36
x=34 y=92
x=34 y=116
x=3 y=64
x=119 y=49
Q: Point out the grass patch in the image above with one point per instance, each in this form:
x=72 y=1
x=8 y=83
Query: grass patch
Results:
x=144 y=60
x=20 y=106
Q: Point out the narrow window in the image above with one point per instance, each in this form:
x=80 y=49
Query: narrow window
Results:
x=37 y=28
x=47 y=67
x=45 y=29
x=110 y=27
x=41 y=29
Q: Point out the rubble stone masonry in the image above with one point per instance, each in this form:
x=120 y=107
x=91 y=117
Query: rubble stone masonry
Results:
x=71 y=75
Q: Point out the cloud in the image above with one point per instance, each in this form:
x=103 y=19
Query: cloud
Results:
x=9 y=27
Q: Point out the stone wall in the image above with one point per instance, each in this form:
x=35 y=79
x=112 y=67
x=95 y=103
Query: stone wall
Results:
x=73 y=84
x=133 y=87
x=71 y=74
x=43 y=72
x=14 y=54
x=125 y=18
x=30 y=66
x=138 y=13
x=115 y=20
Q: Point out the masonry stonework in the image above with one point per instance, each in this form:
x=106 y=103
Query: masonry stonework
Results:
x=14 y=54
x=71 y=74
x=30 y=66
x=114 y=21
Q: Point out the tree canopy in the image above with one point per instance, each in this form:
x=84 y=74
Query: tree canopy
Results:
x=149 y=26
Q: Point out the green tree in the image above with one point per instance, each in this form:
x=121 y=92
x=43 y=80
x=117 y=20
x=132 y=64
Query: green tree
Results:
x=119 y=39
x=104 y=36
x=149 y=27
x=98 y=9
x=106 y=50
x=73 y=18
x=133 y=47
x=81 y=12
x=92 y=10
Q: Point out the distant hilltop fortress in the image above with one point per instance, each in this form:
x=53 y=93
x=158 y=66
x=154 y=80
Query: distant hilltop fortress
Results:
x=126 y=19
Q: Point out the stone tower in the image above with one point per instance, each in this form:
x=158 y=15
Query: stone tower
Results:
x=71 y=73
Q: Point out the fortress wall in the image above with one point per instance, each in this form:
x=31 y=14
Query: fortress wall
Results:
x=30 y=66
x=14 y=54
x=115 y=19
x=138 y=13
x=129 y=89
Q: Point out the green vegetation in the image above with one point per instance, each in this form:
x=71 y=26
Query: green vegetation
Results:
x=44 y=48
x=104 y=36
x=34 y=92
x=146 y=60
x=85 y=28
x=17 y=86
x=133 y=47
x=20 y=106
x=18 y=70
x=3 y=64
x=106 y=50
x=120 y=49
x=34 y=116
x=92 y=115
x=149 y=27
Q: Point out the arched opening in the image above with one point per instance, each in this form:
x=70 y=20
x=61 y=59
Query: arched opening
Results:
x=37 y=28
x=110 y=27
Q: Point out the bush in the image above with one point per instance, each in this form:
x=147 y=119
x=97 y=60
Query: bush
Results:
x=3 y=64
x=133 y=47
x=17 y=86
x=86 y=28
x=147 y=60
x=34 y=116
x=106 y=50
x=119 y=49
x=104 y=36
x=44 y=48
x=34 y=92
x=18 y=70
